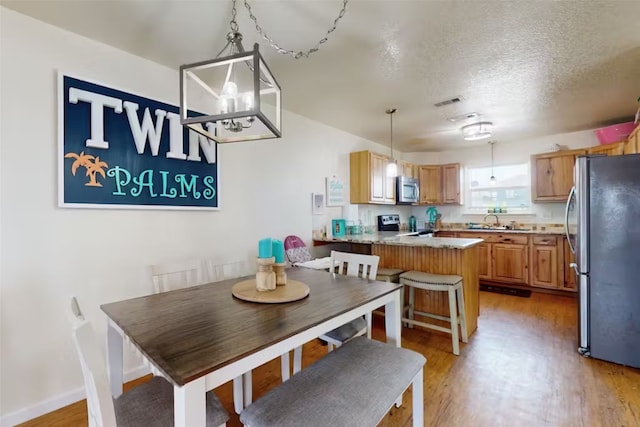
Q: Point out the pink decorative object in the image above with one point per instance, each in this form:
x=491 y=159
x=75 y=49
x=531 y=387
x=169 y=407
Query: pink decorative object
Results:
x=614 y=133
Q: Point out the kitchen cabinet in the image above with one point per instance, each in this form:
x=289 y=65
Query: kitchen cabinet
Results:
x=430 y=184
x=552 y=175
x=440 y=184
x=615 y=149
x=632 y=146
x=451 y=184
x=369 y=181
x=503 y=257
x=510 y=263
x=484 y=250
x=545 y=262
x=569 y=283
x=407 y=169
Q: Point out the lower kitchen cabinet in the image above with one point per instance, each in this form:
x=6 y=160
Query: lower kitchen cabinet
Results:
x=545 y=262
x=484 y=250
x=510 y=263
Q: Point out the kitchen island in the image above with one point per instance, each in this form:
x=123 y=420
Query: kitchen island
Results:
x=439 y=255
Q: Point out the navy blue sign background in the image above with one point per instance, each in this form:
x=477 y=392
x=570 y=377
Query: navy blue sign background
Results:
x=118 y=176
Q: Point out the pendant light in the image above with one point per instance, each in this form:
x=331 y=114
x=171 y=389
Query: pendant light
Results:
x=492 y=180
x=392 y=167
x=236 y=90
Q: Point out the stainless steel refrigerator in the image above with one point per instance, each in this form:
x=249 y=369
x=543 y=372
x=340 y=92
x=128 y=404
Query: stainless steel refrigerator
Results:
x=603 y=228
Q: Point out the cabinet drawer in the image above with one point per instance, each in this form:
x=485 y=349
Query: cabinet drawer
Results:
x=510 y=238
x=545 y=240
x=490 y=237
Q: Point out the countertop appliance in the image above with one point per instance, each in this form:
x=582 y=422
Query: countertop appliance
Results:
x=603 y=229
x=407 y=190
x=389 y=222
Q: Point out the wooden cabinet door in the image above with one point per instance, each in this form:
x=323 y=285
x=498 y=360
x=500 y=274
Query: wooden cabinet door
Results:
x=615 y=149
x=451 y=184
x=378 y=177
x=406 y=169
x=544 y=262
x=509 y=263
x=569 y=273
x=430 y=185
x=633 y=142
x=552 y=175
x=484 y=251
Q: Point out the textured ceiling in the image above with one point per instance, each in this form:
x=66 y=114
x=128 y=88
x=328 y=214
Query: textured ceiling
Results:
x=533 y=68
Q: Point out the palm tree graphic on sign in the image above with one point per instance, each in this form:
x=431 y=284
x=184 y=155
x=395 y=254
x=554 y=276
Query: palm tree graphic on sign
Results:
x=93 y=165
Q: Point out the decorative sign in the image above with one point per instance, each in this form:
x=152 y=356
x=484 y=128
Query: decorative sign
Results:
x=119 y=150
x=335 y=192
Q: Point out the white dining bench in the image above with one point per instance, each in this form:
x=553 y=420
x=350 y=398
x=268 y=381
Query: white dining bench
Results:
x=355 y=385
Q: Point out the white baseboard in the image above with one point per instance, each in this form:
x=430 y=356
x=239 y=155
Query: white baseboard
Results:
x=59 y=401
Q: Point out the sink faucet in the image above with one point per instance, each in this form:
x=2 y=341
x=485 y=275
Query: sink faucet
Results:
x=497 y=223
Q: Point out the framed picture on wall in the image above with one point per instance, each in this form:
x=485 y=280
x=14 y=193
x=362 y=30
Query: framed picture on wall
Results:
x=335 y=191
x=317 y=203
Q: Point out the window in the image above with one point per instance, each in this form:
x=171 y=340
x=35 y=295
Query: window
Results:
x=512 y=189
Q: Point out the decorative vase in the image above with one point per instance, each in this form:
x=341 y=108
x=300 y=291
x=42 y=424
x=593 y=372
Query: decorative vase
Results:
x=281 y=276
x=265 y=277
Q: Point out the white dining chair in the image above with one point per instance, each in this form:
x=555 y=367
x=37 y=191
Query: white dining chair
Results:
x=348 y=264
x=177 y=275
x=150 y=403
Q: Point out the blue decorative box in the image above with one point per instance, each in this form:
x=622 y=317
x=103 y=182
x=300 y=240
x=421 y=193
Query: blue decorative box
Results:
x=338 y=227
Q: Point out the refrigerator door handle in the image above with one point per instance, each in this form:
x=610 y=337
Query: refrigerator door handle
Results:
x=566 y=219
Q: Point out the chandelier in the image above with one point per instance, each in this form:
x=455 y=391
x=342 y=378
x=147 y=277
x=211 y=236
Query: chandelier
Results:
x=475 y=131
x=237 y=93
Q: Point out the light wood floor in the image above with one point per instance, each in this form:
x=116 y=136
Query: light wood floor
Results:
x=520 y=368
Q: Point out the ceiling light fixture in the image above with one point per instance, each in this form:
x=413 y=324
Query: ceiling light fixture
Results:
x=246 y=96
x=492 y=180
x=475 y=131
x=392 y=167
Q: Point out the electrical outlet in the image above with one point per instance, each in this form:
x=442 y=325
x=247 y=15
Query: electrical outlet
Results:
x=547 y=214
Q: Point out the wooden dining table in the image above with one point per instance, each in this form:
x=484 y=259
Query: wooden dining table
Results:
x=201 y=337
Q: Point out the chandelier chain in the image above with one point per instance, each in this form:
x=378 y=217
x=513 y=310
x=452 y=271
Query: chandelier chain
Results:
x=276 y=46
x=233 y=24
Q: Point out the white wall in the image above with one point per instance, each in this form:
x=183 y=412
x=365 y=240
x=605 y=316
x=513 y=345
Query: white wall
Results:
x=49 y=254
x=504 y=153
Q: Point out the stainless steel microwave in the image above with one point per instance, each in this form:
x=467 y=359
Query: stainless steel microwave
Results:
x=407 y=190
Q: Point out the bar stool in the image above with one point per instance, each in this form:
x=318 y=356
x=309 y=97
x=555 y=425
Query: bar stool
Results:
x=442 y=283
x=388 y=275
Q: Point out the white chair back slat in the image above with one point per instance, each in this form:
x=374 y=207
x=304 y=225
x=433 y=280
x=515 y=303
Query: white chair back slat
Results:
x=176 y=275
x=96 y=382
x=217 y=270
x=357 y=265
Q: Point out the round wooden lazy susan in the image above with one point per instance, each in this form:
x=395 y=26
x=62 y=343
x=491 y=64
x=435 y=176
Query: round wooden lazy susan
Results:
x=292 y=291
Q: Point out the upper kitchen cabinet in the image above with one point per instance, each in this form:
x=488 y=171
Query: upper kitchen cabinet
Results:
x=451 y=184
x=632 y=145
x=407 y=169
x=615 y=149
x=552 y=175
x=430 y=184
x=439 y=184
x=369 y=181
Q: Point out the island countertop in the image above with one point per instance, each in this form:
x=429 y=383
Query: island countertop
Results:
x=393 y=238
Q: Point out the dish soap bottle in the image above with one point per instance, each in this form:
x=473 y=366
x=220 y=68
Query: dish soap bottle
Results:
x=412 y=224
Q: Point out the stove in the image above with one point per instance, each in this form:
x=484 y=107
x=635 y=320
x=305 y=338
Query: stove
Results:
x=389 y=222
